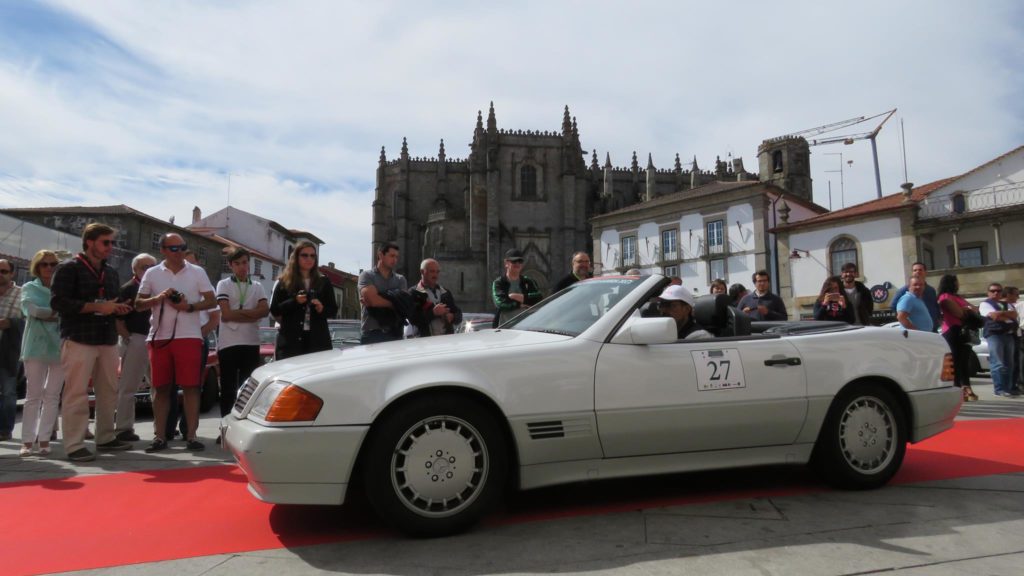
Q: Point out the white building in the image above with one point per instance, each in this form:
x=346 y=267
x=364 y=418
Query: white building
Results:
x=967 y=225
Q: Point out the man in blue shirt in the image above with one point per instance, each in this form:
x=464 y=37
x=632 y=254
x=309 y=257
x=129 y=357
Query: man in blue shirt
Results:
x=930 y=298
x=911 y=310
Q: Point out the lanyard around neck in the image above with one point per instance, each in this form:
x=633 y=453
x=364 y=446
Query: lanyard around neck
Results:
x=243 y=290
x=99 y=275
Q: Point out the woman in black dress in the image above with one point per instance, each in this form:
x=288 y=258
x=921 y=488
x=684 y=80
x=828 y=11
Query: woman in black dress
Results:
x=303 y=301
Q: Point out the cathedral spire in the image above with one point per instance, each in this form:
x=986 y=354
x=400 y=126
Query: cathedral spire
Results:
x=679 y=166
x=650 y=162
x=440 y=152
x=492 y=122
x=575 y=131
x=593 y=162
x=635 y=165
x=566 y=122
x=608 y=160
x=479 y=121
x=405 y=149
x=383 y=157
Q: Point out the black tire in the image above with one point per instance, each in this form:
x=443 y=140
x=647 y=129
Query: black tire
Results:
x=863 y=440
x=459 y=454
x=208 y=397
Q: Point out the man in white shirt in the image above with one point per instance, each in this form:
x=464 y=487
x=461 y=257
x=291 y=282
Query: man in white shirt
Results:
x=242 y=305
x=176 y=291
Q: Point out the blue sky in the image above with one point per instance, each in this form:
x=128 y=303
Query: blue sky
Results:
x=153 y=104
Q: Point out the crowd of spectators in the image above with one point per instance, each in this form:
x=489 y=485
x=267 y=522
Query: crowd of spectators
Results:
x=75 y=326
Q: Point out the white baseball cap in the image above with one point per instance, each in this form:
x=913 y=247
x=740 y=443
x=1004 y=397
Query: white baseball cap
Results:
x=677 y=292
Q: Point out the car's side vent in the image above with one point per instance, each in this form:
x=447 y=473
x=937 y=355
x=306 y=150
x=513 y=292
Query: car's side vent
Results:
x=244 y=394
x=548 y=429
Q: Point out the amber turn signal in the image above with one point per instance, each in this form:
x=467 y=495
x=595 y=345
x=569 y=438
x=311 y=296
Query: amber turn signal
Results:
x=294 y=404
x=948 y=372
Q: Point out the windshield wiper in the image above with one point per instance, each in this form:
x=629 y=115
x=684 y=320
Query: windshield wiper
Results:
x=558 y=332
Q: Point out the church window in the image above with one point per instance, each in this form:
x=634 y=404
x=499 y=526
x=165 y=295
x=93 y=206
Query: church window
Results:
x=777 y=161
x=528 y=183
x=841 y=251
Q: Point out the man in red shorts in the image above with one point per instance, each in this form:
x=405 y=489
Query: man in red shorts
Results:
x=176 y=291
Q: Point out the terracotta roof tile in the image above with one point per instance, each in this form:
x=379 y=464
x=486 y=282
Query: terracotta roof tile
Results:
x=883 y=204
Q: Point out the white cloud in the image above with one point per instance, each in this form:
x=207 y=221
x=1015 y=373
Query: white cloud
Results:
x=162 y=100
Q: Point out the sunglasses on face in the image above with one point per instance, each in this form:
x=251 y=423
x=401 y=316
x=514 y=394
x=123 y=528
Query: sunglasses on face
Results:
x=177 y=248
x=995 y=290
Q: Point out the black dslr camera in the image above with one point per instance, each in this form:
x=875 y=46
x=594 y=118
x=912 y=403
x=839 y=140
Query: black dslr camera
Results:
x=175 y=296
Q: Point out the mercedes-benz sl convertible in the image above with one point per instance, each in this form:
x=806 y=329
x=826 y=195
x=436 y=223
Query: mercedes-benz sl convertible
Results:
x=585 y=385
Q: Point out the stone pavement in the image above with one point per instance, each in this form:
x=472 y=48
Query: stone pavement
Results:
x=970 y=525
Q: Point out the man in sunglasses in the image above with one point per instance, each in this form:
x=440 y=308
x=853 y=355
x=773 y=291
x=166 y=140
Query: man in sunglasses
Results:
x=84 y=291
x=1001 y=323
x=10 y=347
x=176 y=291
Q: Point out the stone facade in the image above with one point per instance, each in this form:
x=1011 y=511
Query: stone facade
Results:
x=532 y=190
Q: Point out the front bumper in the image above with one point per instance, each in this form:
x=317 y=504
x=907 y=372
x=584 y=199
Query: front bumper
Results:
x=294 y=465
x=934 y=411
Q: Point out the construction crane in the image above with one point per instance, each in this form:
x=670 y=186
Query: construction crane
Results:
x=850 y=138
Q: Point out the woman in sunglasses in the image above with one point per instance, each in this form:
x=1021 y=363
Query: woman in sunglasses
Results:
x=40 y=352
x=303 y=300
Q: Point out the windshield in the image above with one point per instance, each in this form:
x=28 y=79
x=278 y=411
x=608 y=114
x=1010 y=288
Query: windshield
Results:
x=573 y=310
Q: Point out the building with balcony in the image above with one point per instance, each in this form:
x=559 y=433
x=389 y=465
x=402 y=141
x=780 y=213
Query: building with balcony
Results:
x=968 y=225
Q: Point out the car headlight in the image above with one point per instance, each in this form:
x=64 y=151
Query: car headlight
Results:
x=284 y=402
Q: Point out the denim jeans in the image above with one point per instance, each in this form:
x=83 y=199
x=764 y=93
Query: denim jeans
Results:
x=8 y=401
x=1000 y=359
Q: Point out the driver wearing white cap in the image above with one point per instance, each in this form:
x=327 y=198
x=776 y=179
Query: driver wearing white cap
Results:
x=677 y=302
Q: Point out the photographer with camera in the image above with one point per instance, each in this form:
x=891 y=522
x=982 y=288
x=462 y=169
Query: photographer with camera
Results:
x=832 y=303
x=303 y=300
x=177 y=291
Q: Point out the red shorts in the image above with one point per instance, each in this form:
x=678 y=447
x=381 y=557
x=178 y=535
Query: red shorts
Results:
x=175 y=362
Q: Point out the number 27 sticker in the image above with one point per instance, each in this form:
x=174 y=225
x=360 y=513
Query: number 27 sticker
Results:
x=718 y=369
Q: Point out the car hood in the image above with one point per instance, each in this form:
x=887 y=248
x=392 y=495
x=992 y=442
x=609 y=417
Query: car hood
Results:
x=401 y=351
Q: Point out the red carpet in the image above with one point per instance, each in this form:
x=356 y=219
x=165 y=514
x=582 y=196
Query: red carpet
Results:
x=126 y=518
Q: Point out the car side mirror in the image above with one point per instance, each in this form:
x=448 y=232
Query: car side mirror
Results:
x=647 y=331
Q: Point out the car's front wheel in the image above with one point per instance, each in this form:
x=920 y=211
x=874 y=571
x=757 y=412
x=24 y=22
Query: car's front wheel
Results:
x=434 y=465
x=863 y=439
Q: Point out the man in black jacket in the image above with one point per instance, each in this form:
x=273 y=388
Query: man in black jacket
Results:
x=513 y=291
x=436 y=311
x=580 y=271
x=857 y=294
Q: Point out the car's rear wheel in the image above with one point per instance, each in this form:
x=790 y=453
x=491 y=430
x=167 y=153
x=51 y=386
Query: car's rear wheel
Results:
x=863 y=439
x=434 y=466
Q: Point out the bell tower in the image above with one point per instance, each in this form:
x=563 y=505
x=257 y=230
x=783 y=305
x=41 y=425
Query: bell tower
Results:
x=786 y=162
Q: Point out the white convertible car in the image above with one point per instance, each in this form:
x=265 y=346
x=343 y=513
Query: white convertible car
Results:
x=584 y=386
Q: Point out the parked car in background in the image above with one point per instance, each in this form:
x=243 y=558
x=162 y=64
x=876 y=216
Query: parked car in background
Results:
x=979 y=362
x=475 y=322
x=268 y=343
x=580 y=387
x=344 y=333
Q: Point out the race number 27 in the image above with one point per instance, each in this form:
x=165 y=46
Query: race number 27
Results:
x=718 y=369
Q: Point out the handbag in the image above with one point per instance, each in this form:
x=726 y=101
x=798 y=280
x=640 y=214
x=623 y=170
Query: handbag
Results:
x=971 y=320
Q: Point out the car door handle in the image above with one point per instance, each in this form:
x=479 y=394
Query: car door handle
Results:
x=782 y=362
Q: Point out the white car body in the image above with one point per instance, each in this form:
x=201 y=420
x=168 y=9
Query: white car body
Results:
x=621 y=398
